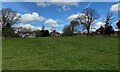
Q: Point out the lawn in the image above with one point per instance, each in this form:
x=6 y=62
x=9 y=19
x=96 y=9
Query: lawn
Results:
x=60 y=53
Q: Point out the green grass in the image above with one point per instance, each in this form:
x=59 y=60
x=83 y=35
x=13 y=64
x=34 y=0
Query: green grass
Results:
x=61 y=53
x=0 y=53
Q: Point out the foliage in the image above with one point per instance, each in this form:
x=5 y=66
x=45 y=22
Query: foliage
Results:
x=8 y=32
x=38 y=34
x=108 y=30
x=0 y=33
x=46 y=33
x=101 y=30
x=68 y=31
x=42 y=33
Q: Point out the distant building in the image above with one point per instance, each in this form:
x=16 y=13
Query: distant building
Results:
x=116 y=33
x=55 y=34
x=27 y=34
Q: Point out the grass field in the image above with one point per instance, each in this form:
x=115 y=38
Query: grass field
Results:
x=60 y=53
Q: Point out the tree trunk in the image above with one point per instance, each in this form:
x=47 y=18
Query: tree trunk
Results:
x=88 y=32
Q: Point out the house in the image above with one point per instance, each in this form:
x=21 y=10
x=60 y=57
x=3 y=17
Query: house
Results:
x=55 y=34
x=27 y=34
x=116 y=33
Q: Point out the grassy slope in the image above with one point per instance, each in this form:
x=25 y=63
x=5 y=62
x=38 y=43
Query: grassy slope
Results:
x=60 y=53
x=0 y=53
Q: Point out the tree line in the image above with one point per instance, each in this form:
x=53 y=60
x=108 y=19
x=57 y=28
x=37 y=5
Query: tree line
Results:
x=87 y=19
x=8 y=17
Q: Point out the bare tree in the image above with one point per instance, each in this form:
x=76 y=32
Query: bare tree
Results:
x=109 y=19
x=8 y=16
x=90 y=15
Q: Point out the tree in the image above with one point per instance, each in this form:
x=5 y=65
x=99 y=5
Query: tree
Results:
x=101 y=30
x=0 y=30
x=42 y=33
x=54 y=30
x=67 y=31
x=118 y=24
x=90 y=15
x=8 y=31
x=8 y=17
x=46 y=33
x=38 y=34
x=109 y=19
x=108 y=30
x=73 y=24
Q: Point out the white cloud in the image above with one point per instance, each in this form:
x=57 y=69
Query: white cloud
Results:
x=61 y=25
x=31 y=17
x=39 y=28
x=99 y=24
x=115 y=7
x=46 y=4
x=64 y=5
x=67 y=3
x=95 y=26
x=60 y=32
x=65 y=8
x=116 y=29
x=43 y=4
x=51 y=22
x=27 y=26
x=51 y=29
x=73 y=16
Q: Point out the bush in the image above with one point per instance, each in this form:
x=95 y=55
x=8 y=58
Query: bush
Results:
x=108 y=30
x=42 y=33
x=68 y=31
x=8 y=32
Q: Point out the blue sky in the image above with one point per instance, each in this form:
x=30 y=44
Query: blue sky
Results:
x=57 y=15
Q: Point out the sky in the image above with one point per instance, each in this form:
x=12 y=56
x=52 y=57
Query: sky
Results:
x=56 y=15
